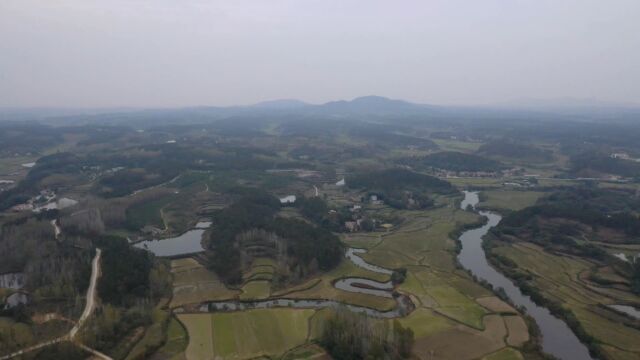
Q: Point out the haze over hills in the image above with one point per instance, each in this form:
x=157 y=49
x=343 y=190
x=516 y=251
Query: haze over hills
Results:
x=376 y=106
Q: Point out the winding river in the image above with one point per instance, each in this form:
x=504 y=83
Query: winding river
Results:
x=557 y=338
x=351 y=284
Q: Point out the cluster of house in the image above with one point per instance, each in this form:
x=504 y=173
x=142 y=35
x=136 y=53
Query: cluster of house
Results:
x=45 y=200
x=44 y=197
x=479 y=174
x=624 y=156
x=96 y=171
x=5 y=184
x=359 y=222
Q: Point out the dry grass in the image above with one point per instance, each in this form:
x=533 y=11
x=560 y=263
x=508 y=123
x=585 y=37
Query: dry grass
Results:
x=518 y=331
x=193 y=283
x=462 y=342
x=494 y=304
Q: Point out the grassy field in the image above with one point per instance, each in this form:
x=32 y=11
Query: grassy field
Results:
x=505 y=354
x=455 y=145
x=518 y=331
x=256 y=289
x=193 y=283
x=177 y=341
x=247 y=334
x=306 y=352
x=148 y=213
x=509 y=199
x=153 y=337
x=476 y=182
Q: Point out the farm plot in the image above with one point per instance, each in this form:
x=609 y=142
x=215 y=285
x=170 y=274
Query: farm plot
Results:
x=247 y=334
x=193 y=283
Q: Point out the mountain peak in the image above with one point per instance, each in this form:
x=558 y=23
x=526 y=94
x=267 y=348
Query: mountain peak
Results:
x=281 y=104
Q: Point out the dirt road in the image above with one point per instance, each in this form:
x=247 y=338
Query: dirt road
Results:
x=88 y=310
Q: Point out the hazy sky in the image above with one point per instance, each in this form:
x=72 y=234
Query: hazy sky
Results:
x=87 y=53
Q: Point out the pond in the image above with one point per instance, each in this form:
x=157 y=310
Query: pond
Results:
x=13 y=281
x=557 y=338
x=629 y=310
x=187 y=243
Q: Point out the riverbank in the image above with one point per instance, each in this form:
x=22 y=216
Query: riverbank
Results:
x=557 y=338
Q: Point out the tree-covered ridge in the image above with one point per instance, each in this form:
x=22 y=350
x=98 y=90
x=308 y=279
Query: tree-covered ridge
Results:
x=457 y=162
x=576 y=221
x=400 y=188
x=590 y=163
x=510 y=149
x=398 y=178
x=249 y=228
x=617 y=209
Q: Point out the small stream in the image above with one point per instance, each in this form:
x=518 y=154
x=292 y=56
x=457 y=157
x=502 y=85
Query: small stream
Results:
x=351 y=284
x=557 y=338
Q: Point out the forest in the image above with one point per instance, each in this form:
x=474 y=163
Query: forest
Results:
x=302 y=248
x=457 y=162
x=348 y=336
x=401 y=188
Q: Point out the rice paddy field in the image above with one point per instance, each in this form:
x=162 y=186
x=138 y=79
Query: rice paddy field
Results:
x=247 y=334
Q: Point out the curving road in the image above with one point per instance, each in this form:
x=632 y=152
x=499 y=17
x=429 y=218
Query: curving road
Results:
x=91 y=295
x=88 y=310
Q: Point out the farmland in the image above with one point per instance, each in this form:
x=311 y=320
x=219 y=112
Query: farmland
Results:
x=244 y=335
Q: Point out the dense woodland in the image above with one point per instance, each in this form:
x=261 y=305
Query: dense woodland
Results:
x=592 y=163
x=300 y=248
x=457 y=162
x=509 y=149
x=349 y=336
x=401 y=188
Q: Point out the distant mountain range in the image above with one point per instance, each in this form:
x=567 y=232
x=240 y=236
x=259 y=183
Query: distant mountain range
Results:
x=367 y=106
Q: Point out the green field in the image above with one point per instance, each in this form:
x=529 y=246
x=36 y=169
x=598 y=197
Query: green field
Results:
x=505 y=354
x=193 y=283
x=256 y=289
x=177 y=341
x=148 y=213
x=247 y=334
x=508 y=199
x=456 y=145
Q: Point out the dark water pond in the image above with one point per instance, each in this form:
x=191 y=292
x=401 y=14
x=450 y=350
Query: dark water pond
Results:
x=557 y=338
x=629 y=310
x=187 y=243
